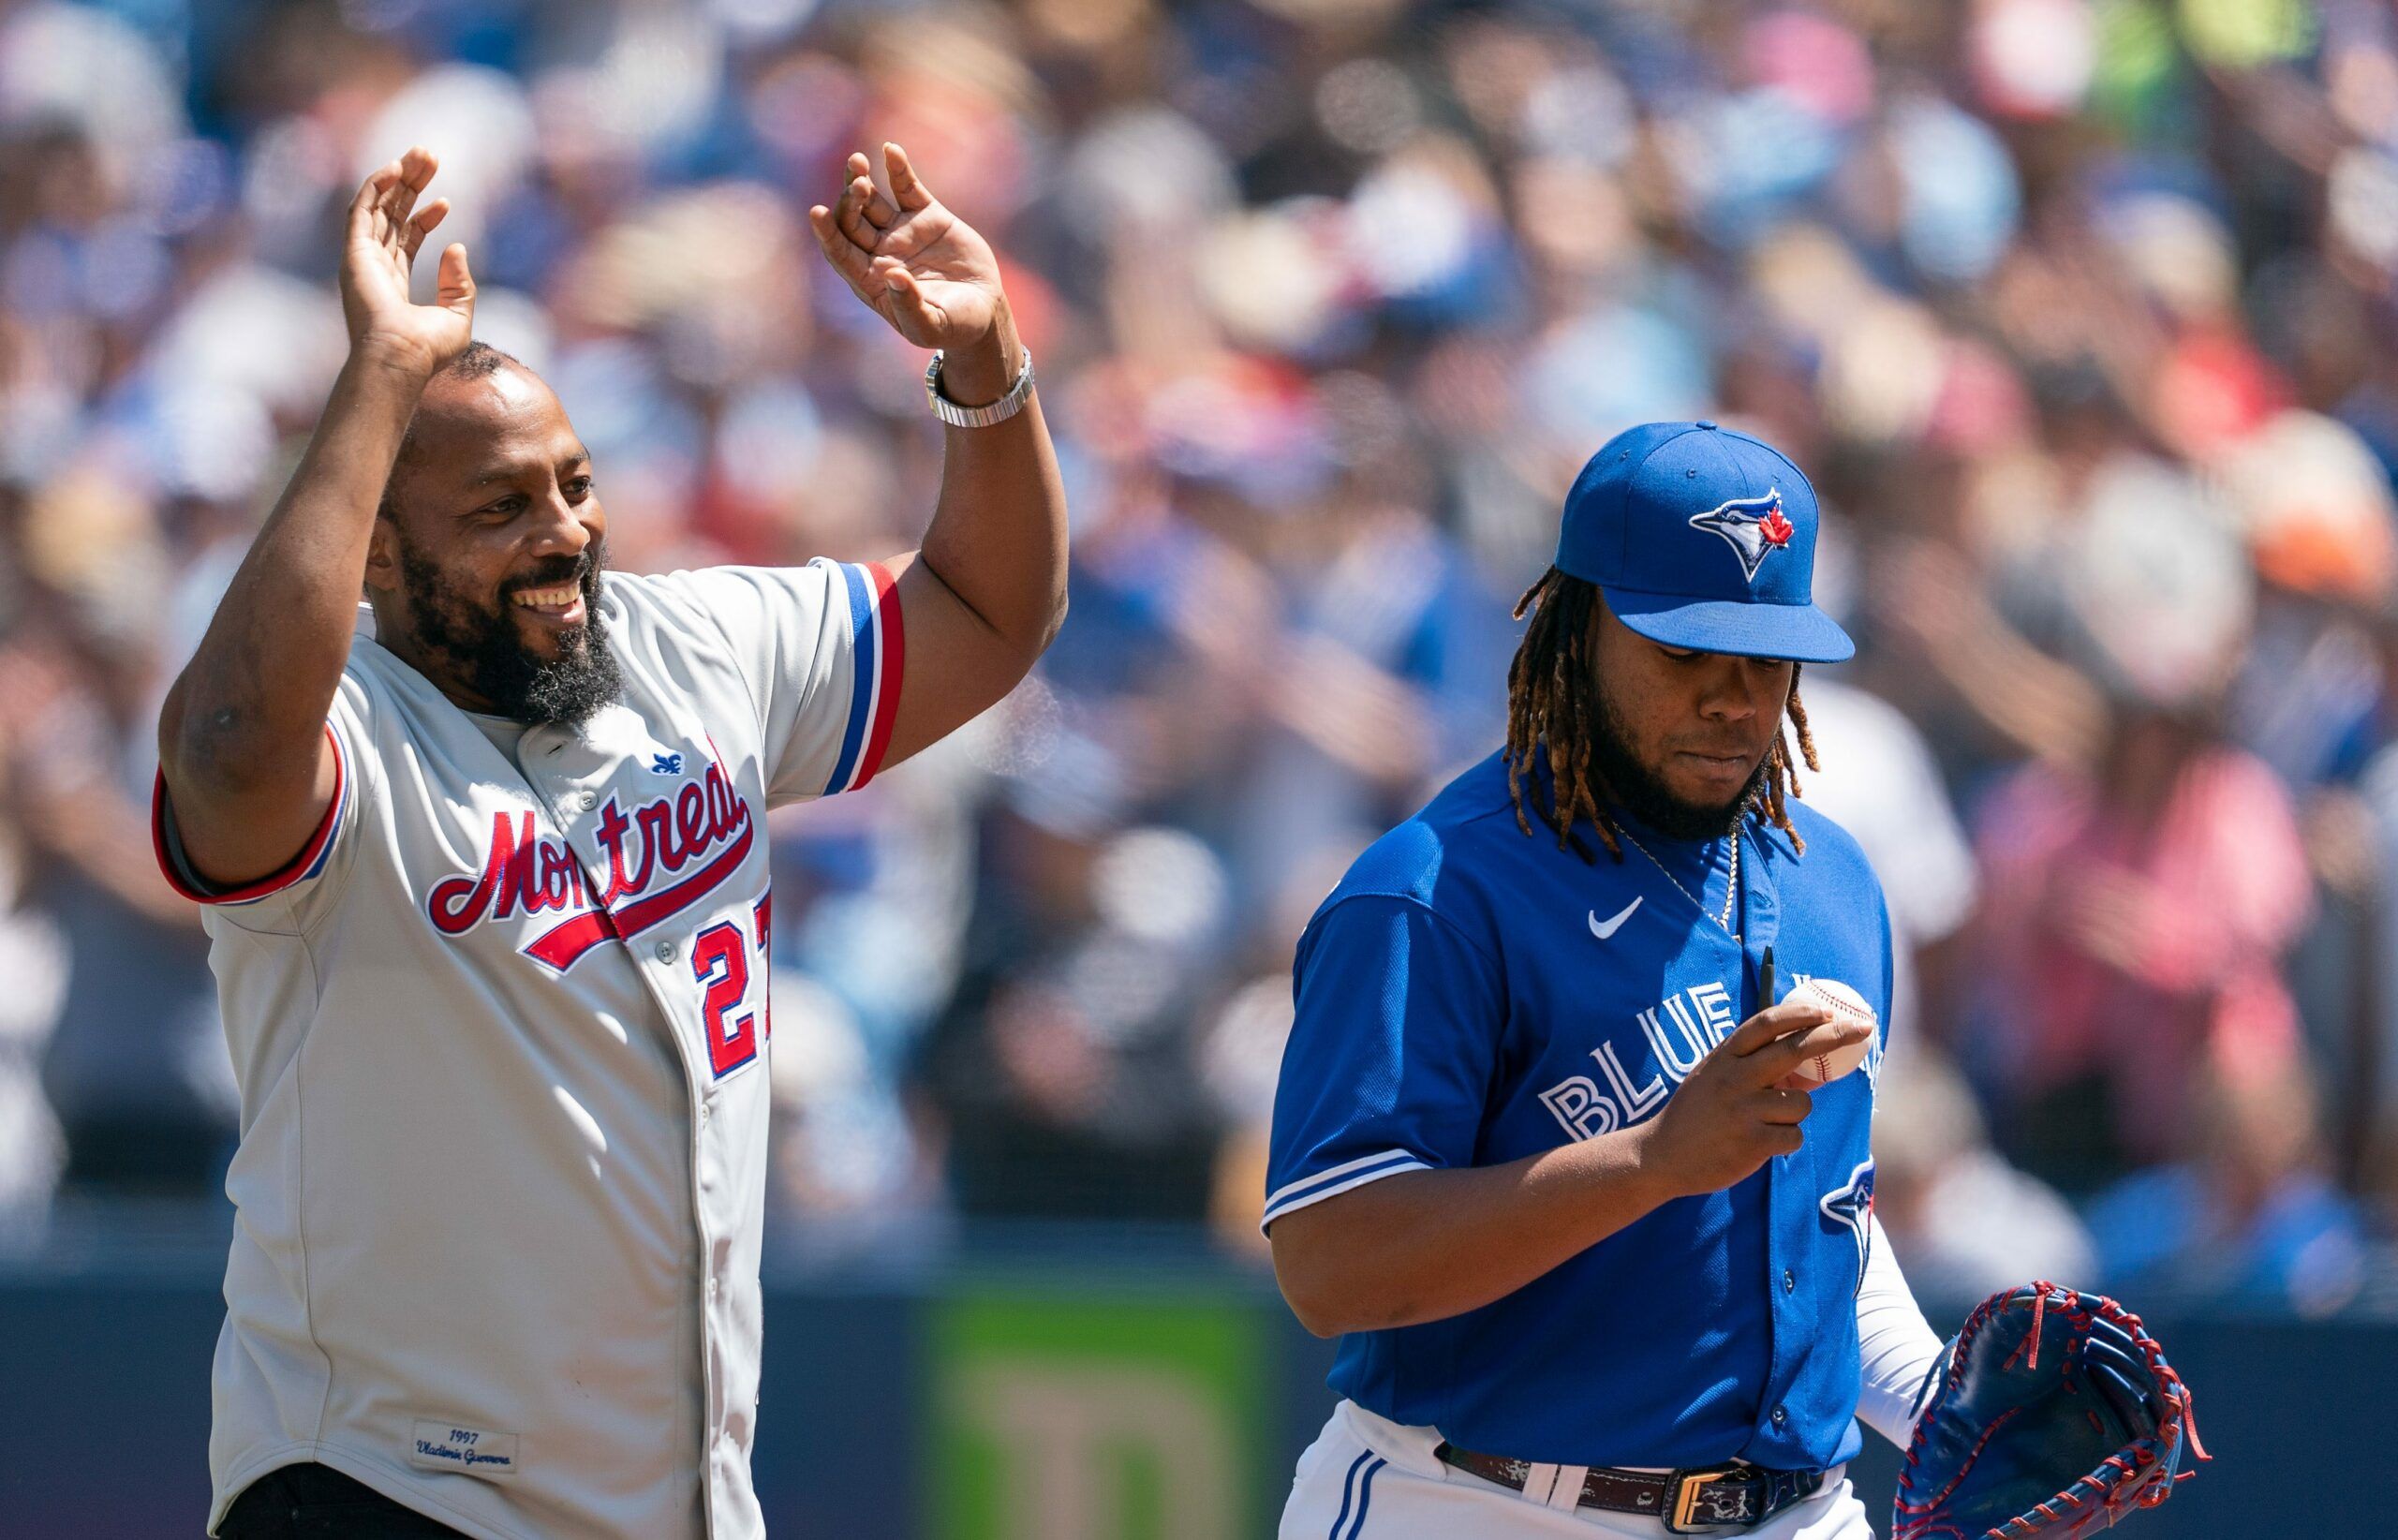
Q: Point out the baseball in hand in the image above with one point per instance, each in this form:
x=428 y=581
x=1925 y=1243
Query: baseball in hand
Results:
x=1845 y=1005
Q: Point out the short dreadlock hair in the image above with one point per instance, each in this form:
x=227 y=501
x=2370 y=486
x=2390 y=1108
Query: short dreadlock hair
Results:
x=1553 y=708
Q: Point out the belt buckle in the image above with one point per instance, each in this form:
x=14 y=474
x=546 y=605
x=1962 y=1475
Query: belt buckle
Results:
x=1697 y=1510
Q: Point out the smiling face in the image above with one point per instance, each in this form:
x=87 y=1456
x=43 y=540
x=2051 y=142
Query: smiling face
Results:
x=485 y=567
x=1682 y=736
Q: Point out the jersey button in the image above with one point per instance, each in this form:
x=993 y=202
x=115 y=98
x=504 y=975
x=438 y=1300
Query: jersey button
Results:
x=1789 y=1280
x=666 y=951
x=587 y=801
x=1780 y=1416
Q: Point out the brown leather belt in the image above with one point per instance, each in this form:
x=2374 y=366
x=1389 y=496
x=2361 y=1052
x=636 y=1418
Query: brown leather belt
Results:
x=1697 y=1500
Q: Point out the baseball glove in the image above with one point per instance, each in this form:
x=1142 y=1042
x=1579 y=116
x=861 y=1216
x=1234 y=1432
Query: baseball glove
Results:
x=2052 y=1413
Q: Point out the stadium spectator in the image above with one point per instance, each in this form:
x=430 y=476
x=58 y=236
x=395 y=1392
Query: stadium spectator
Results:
x=1964 y=1222
x=2247 y=1215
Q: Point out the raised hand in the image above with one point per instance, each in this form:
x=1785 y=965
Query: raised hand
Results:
x=920 y=267
x=385 y=230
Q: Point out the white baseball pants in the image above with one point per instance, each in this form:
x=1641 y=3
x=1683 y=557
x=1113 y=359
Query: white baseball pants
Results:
x=1368 y=1478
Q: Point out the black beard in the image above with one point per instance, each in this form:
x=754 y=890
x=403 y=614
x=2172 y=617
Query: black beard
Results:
x=480 y=643
x=1648 y=798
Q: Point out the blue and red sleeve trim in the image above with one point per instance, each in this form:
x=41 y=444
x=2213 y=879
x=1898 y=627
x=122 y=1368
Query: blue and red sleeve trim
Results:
x=308 y=863
x=878 y=646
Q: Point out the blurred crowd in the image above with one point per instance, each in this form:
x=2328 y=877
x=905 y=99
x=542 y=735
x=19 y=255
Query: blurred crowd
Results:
x=2081 y=311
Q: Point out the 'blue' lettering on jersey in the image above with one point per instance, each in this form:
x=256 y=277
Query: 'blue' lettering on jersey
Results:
x=1462 y=1001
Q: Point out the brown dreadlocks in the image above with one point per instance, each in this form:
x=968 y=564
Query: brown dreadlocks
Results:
x=1552 y=706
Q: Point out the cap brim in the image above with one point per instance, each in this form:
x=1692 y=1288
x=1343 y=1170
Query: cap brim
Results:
x=1800 y=632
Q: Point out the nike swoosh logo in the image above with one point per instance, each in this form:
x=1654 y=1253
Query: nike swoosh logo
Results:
x=1604 y=928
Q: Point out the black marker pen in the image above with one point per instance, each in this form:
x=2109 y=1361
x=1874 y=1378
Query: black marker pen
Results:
x=1765 y=979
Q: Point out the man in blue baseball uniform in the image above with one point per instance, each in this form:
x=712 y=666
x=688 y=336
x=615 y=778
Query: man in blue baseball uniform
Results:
x=1546 y=1152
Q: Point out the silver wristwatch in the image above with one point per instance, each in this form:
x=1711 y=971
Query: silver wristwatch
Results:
x=977 y=416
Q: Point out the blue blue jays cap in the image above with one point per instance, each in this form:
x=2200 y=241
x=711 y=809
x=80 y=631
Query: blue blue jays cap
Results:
x=1701 y=538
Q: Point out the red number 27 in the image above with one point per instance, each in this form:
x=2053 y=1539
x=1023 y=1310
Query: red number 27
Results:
x=720 y=961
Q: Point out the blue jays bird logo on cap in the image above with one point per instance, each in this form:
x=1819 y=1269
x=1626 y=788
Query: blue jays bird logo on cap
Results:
x=1629 y=529
x=1753 y=527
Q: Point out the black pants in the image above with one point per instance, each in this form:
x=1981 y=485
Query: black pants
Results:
x=315 y=1502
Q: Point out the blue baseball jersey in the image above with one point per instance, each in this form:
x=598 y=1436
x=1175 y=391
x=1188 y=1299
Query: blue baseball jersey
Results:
x=1469 y=996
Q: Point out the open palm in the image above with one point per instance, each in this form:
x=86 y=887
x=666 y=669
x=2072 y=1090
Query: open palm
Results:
x=385 y=230
x=922 y=268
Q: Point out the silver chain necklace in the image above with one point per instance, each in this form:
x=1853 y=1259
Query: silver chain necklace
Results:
x=1731 y=888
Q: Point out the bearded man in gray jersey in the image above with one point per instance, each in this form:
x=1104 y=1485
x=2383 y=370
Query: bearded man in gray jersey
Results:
x=488 y=895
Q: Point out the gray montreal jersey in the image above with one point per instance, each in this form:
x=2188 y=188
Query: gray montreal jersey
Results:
x=501 y=1037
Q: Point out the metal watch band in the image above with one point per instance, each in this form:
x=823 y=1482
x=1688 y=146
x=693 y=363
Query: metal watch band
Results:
x=977 y=416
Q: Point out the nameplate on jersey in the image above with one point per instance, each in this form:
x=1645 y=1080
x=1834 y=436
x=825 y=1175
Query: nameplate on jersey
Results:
x=440 y=1445
x=664 y=856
